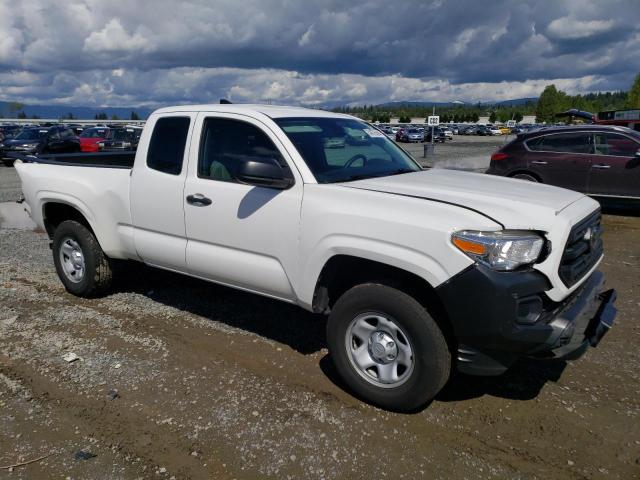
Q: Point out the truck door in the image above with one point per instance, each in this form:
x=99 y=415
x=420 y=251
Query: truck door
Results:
x=157 y=188
x=240 y=235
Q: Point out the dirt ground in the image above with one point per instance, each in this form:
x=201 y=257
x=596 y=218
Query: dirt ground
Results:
x=178 y=378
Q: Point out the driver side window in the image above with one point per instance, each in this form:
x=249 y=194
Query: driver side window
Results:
x=225 y=142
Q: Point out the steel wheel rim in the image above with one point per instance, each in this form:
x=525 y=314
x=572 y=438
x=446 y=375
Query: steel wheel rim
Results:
x=379 y=350
x=72 y=260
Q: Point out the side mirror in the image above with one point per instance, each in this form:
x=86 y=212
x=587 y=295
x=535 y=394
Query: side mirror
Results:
x=264 y=174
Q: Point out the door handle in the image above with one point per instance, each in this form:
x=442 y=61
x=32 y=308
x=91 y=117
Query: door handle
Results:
x=601 y=166
x=198 y=200
x=537 y=162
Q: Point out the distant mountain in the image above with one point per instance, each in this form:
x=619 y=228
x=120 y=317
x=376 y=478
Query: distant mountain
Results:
x=514 y=102
x=415 y=104
x=81 y=113
x=408 y=103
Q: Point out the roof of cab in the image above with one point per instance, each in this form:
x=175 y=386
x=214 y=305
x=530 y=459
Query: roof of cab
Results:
x=272 y=111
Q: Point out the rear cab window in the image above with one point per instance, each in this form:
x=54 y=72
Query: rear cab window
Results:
x=167 y=144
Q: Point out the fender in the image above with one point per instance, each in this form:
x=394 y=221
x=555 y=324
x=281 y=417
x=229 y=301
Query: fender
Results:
x=419 y=263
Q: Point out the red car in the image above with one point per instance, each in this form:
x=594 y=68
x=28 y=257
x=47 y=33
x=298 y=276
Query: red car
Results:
x=90 y=137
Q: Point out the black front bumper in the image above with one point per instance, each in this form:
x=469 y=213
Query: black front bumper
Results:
x=498 y=317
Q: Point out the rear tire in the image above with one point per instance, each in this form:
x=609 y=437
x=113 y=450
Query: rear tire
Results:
x=82 y=266
x=363 y=323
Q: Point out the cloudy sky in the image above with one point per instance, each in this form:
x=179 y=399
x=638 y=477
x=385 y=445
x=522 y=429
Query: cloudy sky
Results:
x=151 y=53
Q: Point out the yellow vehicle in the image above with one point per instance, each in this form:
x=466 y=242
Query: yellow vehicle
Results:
x=504 y=130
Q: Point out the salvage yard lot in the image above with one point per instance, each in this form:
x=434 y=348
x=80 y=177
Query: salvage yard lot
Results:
x=183 y=378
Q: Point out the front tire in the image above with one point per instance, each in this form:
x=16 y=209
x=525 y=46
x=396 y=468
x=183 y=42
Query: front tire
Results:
x=526 y=176
x=82 y=266
x=387 y=347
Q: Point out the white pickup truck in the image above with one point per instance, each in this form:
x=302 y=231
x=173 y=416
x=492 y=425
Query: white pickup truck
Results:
x=420 y=272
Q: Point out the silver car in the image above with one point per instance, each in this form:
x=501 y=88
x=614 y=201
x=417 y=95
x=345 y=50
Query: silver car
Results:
x=412 y=135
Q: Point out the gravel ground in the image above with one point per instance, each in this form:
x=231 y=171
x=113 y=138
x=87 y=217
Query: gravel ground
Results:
x=185 y=379
x=462 y=153
x=9 y=184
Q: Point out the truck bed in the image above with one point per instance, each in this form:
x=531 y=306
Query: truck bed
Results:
x=97 y=185
x=97 y=160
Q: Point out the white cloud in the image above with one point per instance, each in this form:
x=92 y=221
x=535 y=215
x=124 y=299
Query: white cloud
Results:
x=367 y=51
x=114 y=38
x=307 y=36
x=573 y=29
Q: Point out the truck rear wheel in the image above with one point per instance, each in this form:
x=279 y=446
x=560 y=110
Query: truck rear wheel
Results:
x=387 y=347
x=81 y=264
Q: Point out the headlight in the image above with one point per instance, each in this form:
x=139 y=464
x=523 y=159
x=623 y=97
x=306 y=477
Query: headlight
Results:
x=503 y=250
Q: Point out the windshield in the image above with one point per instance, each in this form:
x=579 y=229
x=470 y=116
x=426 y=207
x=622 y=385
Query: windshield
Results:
x=94 y=133
x=124 y=135
x=30 y=135
x=363 y=151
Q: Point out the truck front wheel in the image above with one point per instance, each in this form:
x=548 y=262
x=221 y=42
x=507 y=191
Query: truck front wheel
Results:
x=81 y=264
x=387 y=347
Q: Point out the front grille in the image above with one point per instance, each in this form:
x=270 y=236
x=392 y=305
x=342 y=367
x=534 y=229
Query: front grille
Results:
x=583 y=249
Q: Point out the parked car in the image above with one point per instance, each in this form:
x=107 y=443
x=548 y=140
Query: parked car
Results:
x=121 y=139
x=26 y=141
x=389 y=132
x=596 y=160
x=56 y=139
x=90 y=137
x=9 y=131
x=438 y=135
x=447 y=133
x=504 y=130
x=419 y=271
x=411 y=135
x=493 y=130
x=482 y=130
x=76 y=127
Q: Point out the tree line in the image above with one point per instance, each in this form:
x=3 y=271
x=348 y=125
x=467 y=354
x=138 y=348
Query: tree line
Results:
x=17 y=110
x=545 y=108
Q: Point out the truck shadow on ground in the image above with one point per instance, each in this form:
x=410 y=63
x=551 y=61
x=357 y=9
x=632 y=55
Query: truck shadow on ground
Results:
x=523 y=381
x=305 y=332
x=273 y=319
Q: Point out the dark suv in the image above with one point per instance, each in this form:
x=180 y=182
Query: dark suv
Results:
x=55 y=139
x=595 y=159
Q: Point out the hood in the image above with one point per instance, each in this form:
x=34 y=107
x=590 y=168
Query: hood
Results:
x=515 y=204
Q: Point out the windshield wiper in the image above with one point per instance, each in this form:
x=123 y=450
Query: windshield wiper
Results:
x=400 y=171
x=357 y=177
x=380 y=175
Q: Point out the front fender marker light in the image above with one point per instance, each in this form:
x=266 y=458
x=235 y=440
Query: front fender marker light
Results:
x=468 y=246
x=501 y=250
